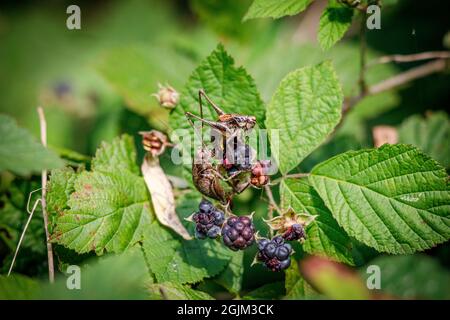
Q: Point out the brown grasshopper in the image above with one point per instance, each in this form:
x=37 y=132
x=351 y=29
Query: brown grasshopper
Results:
x=230 y=127
x=209 y=178
x=226 y=123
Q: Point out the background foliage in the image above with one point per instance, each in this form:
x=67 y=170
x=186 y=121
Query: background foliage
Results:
x=96 y=86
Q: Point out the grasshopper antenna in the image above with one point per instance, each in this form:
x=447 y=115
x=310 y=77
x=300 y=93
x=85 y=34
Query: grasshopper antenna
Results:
x=201 y=93
x=189 y=119
x=212 y=124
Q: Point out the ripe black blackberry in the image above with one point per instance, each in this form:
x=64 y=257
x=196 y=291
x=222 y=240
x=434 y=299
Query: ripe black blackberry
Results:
x=238 y=232
x=274 y=254
x=208 y=220
x=294 y=232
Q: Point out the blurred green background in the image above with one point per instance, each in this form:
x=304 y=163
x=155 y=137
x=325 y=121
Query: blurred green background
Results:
x=96 y=83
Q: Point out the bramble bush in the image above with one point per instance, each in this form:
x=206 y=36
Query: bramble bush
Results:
x=140 y=229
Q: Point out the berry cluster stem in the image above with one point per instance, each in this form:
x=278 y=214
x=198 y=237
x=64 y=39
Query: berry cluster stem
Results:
x=272 y=205
x=272 y=202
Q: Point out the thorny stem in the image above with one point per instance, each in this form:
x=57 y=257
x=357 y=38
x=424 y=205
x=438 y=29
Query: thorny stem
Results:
x=272 y=205
x=362 y=54
x=401 y=58
x=51 y=269
x=270 y=216
x=272 y=202
x=402 y=78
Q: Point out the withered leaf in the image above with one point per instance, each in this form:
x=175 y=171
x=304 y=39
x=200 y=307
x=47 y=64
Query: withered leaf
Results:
x=162 y=195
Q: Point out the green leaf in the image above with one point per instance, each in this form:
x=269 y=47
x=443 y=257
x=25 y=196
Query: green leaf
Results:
x=296 y=287
x=430 y=134
x=231 y=88
x=186 y=205
x=109 y=209
x=411 y=277
x=334 y=23
x=59 y=188
x=268 y=291
x=180 y=261
x=70 y=156
x=362 y=253
x=324 y=236
x=231 y=277
x=394 y=199
x=21 y=153
x=122 y=276
x=17 y=287
x=118 y=155
x=338 y=144
x=65 y=257
x=174 y=291
x=276 y=8
x=305 y=108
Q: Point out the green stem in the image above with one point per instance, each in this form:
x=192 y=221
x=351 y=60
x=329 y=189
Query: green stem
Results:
x=289 y=176
x=362 y=53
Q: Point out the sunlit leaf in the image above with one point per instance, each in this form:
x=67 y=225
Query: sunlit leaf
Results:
x=394 y=199
x=305 y=108
x=21 y=153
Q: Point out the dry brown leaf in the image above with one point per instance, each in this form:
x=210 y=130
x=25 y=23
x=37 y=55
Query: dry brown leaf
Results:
x=162 y=195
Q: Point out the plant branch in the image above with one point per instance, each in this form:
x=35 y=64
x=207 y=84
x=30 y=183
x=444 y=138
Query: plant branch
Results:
x=401 y=58
x=396 y=81
x=272 y=202
x=407 y=76
x=51 y=269
x=362 y=54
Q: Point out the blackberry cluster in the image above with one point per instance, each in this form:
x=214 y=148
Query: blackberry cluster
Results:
x=208 y=220
x=238 y=233
x=294 y=232
x=275 y=254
